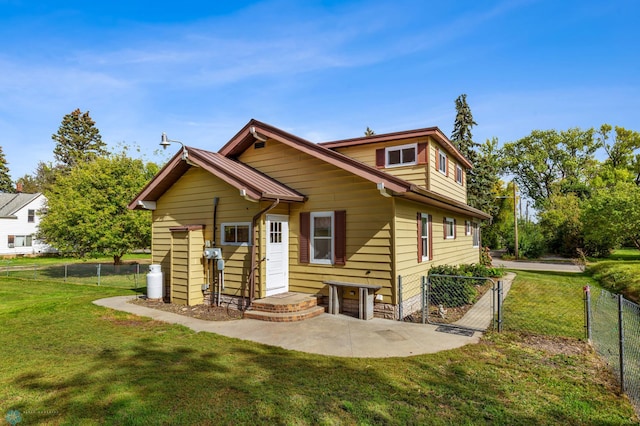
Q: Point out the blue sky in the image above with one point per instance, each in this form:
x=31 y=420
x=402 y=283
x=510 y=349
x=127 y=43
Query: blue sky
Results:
x=323 y=70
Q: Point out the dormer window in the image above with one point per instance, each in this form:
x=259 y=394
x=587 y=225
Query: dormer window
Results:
x=402 y=155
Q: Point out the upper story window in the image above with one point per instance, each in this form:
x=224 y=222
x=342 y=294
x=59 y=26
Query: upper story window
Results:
x=31 y=216
x=442 y=162
x=459 y=174
x=236 y=234
x=402 y=155
x=467 y=227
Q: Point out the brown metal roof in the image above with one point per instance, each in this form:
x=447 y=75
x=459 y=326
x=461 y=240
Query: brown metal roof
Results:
x=399 y=187
x=257 y=185
x=434 y=132
x=262 y=187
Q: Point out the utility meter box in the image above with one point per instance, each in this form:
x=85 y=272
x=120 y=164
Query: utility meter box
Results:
x=213 y=253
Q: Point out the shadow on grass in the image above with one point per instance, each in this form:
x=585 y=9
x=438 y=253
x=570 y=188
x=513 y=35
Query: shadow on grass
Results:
x=230 y=383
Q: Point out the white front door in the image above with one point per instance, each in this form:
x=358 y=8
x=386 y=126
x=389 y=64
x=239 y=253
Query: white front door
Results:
x=277 y=254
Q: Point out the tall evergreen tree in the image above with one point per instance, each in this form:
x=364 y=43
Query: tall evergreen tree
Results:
x=461 y=135
x=483 y=178
x=78 y=140
x=369 y=132
x=6 y=184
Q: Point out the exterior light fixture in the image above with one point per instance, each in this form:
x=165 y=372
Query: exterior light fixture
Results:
x=165 y=142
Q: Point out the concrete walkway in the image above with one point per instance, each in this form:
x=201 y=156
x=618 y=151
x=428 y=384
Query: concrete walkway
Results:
x=335 y=335
x=548 y=266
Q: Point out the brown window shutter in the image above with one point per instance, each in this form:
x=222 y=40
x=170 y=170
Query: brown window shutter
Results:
x=422 y=153
x=447 y=166
x=430 y=238
x=455 y=229
x=444 y=228
x=340 y=249
x=305 y=232
x=380 y=158
x=419 y=237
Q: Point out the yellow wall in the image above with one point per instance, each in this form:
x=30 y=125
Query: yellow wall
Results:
x=446 y=185
x=445 y=251
x=426 y=177
x=190 y=202
x=329 y=188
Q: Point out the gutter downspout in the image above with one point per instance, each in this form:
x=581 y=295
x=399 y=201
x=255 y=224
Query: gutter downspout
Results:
x=254 y=263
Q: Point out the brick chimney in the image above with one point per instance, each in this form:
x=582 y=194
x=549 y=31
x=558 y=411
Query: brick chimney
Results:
x=19 y=187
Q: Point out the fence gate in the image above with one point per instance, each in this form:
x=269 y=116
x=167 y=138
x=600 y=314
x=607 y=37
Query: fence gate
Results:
x=472 y=303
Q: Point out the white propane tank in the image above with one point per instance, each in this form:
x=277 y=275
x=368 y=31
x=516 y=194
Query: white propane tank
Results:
x=154 y=282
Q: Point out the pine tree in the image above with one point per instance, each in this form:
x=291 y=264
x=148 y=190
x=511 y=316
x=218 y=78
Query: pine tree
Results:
x=6 y=184
x=369 y=132
x=461 y=135
x=482 y=178
x=78 y=140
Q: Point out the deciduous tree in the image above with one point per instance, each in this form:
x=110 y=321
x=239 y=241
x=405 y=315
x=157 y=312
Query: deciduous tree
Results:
x=87 y=211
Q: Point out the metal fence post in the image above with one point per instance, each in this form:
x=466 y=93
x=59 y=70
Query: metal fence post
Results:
x=399 y=297
x=621 y=340
x=499 y=306
x=99 y=265
x=65 y=272
x=423 y=294
x=587 y=312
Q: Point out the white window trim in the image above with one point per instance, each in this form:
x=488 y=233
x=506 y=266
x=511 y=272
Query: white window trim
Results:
x=400 y=148
x=467 y=227
x=459 y=177
x=423 y=237
x=450 y=221
x=476 y=234
x=236 y=224
x=442 y=165
x=312 y=238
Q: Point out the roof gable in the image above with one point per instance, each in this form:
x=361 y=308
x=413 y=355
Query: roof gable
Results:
x=433 y=132
x=254 y=184
x=10 y=204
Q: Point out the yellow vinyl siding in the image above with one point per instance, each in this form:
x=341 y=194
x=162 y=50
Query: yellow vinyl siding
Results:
x=445 y=251
x=328 y=188
x=445 y=185
x=416 y=174
x=190 y=202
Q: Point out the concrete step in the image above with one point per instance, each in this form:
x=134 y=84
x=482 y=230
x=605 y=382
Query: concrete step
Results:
x=286 y=302
x=299 y=315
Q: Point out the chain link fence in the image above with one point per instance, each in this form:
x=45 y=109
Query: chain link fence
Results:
x=464 y=302
x=613 y=325
x=130 y=275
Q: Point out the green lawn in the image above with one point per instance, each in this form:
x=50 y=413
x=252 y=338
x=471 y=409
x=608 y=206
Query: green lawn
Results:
x=67 y=361
x=619 y=272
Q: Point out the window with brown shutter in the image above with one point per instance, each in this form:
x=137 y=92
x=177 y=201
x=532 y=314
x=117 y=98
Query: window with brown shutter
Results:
x=425 y=245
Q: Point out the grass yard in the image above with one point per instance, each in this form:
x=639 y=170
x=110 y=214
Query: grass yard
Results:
x=67 y=361
x=549 y=303
x=620 y=274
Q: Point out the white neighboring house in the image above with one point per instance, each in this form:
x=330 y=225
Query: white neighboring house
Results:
x=19 y=221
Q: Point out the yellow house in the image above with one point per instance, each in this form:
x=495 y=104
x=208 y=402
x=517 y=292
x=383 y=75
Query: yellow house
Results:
x=291 y=216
